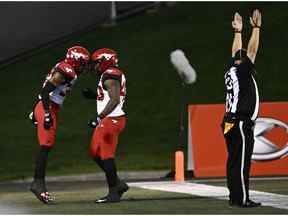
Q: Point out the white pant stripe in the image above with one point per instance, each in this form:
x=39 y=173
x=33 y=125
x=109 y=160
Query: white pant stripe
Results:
x=242 y=160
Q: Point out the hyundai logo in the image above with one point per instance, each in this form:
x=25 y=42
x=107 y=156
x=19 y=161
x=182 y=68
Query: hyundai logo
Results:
x=264 y=149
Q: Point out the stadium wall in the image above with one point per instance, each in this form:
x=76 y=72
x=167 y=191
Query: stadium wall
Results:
x=28 y=25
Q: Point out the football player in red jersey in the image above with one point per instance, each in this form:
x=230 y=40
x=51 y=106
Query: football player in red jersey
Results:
x=57 y=84
x=110 y=119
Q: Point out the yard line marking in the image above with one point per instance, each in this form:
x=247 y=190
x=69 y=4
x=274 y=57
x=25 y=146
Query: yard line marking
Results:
x=217 y=192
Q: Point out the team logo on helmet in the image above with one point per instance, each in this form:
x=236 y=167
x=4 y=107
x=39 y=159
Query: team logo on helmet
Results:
x=106 y=58
x=77 y=56
x=265 y=149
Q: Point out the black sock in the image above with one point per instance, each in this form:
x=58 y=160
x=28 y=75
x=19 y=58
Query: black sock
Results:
x=41 y=162
x=99 y=161
x=110 y=172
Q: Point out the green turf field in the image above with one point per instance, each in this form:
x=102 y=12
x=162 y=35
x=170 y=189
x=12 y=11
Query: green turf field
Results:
x=144 y=42
x=78 y=197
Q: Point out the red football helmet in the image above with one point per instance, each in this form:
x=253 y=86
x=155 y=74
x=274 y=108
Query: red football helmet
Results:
x=105 y=57
x=77 y=56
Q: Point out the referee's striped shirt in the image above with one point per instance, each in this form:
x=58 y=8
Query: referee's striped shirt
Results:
x=242 y=97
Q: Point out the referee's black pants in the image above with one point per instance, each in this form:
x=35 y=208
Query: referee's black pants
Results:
x=240 y=143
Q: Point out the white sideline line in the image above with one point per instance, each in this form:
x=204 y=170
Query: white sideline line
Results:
x=217 y=192
x=251 y=179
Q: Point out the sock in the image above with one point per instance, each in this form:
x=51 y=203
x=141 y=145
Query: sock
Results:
x=110 y=172
x=41 y=161
x=99 y=161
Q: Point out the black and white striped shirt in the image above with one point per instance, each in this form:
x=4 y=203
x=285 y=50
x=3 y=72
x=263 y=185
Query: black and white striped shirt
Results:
x=242 y=97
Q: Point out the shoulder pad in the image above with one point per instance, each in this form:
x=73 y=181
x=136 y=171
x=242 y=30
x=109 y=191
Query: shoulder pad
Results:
x=113 y=72
x=66 y=69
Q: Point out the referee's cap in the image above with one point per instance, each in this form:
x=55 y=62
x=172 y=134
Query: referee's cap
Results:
x=240 y=54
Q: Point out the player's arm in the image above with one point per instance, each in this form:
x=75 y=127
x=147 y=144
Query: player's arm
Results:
x=113 y=88
x=253 y=44
x=50 y=85
x=237 y=26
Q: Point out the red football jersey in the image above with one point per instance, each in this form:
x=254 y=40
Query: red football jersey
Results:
x=59 y=94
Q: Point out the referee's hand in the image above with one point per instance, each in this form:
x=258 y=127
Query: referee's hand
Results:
x=256 y=19
x=237 y=22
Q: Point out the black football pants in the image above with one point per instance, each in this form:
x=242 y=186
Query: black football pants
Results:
x=240 y=143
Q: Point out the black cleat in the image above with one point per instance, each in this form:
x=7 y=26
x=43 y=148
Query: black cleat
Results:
x=122 y=187
x=247 y=204
x=250 y=204
x=115 y=193
x=41 y=193
x=110 y=198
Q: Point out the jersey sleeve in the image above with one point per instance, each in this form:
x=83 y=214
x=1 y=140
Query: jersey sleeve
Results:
x=112 y=73
x=247 y=67
x=249 y=62
x=66 y=69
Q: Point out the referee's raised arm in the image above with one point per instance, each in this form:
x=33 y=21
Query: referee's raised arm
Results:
x=253 y=44
x=237 y=26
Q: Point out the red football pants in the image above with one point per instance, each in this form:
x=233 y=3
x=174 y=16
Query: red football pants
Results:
x=46 y=137
x=105 y=137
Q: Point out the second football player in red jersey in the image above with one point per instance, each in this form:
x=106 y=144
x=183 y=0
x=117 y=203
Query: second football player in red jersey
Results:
x=57 y=84
x=110 y=119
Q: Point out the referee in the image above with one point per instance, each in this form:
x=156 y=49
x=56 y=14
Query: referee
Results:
x=242 y=105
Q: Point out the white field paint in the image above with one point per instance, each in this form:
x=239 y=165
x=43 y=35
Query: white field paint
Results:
x=217 y=192
x=6 y=209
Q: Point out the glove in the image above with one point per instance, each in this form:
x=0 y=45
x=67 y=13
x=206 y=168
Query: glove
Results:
x=94 y=122
x=32 y=118
x=88 y=93
x=48 y=121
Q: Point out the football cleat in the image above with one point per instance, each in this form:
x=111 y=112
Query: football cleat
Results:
x=247 y=204
x=41 y=194
x=122 y=187
x=251 y=204
x=110 y=198
x=115 y=193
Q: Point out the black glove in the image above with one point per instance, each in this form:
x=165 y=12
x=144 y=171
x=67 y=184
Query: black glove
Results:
x=94 y=122
x=48 y=121
x=88 y=93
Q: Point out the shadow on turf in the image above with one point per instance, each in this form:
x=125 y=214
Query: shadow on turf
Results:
x=164 y=198
x=136 y=200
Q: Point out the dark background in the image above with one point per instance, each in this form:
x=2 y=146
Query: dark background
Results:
x=28 y=25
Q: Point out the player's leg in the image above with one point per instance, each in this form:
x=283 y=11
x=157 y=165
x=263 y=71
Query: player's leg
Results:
x=101 y=135
x=46 y=139
x=121 y=185
x=108 y=140
x=119 y=124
